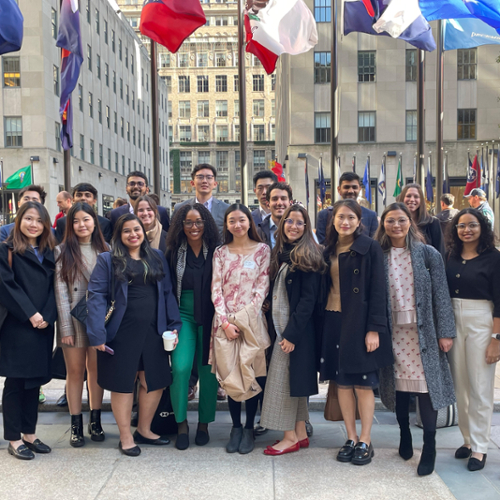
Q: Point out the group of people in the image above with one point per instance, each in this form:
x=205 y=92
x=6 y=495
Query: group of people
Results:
x=263 y=306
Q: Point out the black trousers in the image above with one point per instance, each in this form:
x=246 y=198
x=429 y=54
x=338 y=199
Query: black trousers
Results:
x=20 y=409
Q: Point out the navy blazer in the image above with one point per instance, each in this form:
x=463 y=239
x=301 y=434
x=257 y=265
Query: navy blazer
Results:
x=257 y=216
x=368 y=219
x=116 y=213
x=5 y=231
x=104 y=224
x=169 y=317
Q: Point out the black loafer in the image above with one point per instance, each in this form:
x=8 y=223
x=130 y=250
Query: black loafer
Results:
x=202 y=438
x=463 y=452
x=363 y=454
x=475 y=464
x=62 y=401
x=37 y=446
x=140 y=439
x=346 y=453
x=22 y=452
x=182 y=441
x=130 y=452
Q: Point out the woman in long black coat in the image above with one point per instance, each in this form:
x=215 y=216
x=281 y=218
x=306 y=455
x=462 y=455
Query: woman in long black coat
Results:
x=27 y=334
x=355 y=342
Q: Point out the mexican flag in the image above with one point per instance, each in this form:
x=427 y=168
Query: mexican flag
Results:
x=19 y=179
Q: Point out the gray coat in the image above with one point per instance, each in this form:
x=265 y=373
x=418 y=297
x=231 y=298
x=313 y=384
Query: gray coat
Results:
x=435 y=320
x=218 y=211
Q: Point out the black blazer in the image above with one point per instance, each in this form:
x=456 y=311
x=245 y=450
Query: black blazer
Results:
x=104 y=224
x=116 y=213
x=434 y=235
x=264 y=231
x=25 y=289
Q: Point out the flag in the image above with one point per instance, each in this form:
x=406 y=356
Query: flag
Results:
x=11 y=27
x=318 y=202
x=278 y=170
x=357 y=19
x=443 y=9
x=473 y=176
x=19 y=179
x=170 y=22
x=485 y=171
x=397 y=17
x=498 y=173
x=485 y=10
x=281 y=26
x=467 y=34
x=429 y=193
x=381 y=182
x=366 y=182
x=70 y=40
x=399 y=182
x=321 y=181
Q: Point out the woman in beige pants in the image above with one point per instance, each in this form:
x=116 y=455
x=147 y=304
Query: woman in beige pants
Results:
x=473 y=272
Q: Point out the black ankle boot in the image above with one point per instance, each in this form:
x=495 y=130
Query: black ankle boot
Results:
x=428 y=457
x=76 y=438
x=95 y=429
x=406 y=442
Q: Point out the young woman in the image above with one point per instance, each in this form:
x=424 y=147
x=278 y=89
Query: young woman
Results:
x=296 y=263
x=422 y=326
x=75 y=260
x=473 y=271
x=240 y=284
x=144 y=308
x=27 y=291
x=146 y=209
x=192 y=239
x=413 y=197
x=355 y=342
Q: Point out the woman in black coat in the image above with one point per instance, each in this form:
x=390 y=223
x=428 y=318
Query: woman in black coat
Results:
x=355 y=341
x=296 y=263
x=27 y=334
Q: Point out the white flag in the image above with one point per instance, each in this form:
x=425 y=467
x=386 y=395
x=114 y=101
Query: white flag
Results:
x=398 y=15
x=381 y=182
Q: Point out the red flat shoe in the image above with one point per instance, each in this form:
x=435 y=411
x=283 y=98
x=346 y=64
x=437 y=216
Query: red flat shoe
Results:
x=274 y=444
x=304 y=443
x=273 y=452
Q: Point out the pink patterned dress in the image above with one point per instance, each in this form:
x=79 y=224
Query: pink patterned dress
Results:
x=408 y=368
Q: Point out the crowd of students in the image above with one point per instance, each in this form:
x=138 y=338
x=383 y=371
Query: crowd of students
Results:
x=262 y=305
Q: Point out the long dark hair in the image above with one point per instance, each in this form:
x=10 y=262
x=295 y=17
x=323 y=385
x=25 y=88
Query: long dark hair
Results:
x=332 y=236
x=306 y=254
x=153 y=265
x=71 y=255
x=252 y=231
x=422 y=217
x=486 y=238
x=20 y=242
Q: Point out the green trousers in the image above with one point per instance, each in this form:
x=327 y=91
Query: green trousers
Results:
x=191 y=343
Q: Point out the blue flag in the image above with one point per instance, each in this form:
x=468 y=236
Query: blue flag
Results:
x=321 y=181
x=429 y=193
x=486 y=10
x=11 y=27
x=366 y=182
x=468 y=33
x=433 y=10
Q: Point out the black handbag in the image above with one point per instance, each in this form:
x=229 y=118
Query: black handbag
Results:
x=163 y=422
x=80 y=311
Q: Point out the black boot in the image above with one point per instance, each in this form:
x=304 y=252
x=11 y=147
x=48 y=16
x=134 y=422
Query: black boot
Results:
x=428 y=457
x=405 y=443
x=95 y=429
x=76 y=438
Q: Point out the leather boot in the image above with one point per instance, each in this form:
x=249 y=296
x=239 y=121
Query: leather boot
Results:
x=76 y=438
x=405 y=443
x=95 y=429
x=428 y=457
x=234 y=440
x=247 y=442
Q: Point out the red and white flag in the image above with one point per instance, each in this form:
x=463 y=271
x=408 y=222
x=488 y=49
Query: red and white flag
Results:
x=281 y=26
x=473 y=176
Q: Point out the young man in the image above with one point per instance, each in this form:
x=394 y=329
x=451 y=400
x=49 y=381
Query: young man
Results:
x=477 y=199
x=29 y=193
x=137 y=185
x=448 y=212
x=85 y=193
x=204 y=181
x=261 y=182
x=64 y=202
x=349 y=187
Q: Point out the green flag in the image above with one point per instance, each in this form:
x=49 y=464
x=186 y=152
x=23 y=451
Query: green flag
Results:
x=397 y=189
x=19 y=179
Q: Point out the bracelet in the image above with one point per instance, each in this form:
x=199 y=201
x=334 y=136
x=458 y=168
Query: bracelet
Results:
x=227 y=326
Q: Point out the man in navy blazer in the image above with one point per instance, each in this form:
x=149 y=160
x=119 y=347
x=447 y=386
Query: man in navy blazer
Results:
x=349 y=187
x=137 y=185
x=261 y=182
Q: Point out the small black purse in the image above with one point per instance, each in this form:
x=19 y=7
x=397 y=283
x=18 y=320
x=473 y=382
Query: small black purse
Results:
x=80 y=311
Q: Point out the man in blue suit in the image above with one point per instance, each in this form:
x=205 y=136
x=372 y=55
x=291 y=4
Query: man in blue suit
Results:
x=349 y=187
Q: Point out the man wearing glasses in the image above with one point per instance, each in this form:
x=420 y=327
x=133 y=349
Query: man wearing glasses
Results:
x=204 y=181
x=137 y=185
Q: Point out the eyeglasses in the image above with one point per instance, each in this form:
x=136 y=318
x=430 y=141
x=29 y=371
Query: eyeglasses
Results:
x=189 y=223
x=399 y=222
x=138 y=184
x=290 y=222
x=470 y=225
x=202 y=177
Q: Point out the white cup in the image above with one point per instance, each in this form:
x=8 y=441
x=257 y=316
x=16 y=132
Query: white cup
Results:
x=168 y=340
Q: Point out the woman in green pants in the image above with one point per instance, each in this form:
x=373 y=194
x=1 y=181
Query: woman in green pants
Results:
x=192 y=239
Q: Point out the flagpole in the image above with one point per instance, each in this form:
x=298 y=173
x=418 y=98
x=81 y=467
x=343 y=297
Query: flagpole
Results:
x=2 y=185
x=384 y=166
x=354 y=162
x=369 y=179
x=401 y=162
x=439 y=113
x=243 y=105
x=490 y=184
x=420 y=117
x=154 y=117
x=334 y=174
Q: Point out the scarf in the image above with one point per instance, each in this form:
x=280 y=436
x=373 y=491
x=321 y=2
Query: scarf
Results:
x=284 y=255
x=154 y=235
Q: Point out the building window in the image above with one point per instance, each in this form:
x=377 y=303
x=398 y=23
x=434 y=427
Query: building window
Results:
x=91 y=105
x=183 y=60
x=133 y=100
x=273 y=107
x=203 y=109
x=120 y=49
x=366 y=126
x=466 y=124
x=13 y=132
x=106 y=32
x=53 y=20
x=127 y=98
x=202 y=60
x=88 y=11
x=411 y=65
x=133 y=136
x=123 y=164
x=99 y=110
x=236 y=108
x=256 y=61
x=121 y=89
x=258 y=107
x=203 y=133
x=221 y=108
x=237 y=133
x=97 y=22
x=184 y=109
x=122 y=128
x=273 y=132
x=221 y=20
x=109 y=159
x=55 y=72
x=132 y=63
x=82 y=147
x=221 y=83
x=322 y=67
x=322 y=129
x=164 y=60
x=113 y=41
x=259 y=160
x=184 y=84
x=58 y=136
x=116 y=122
x=128 y=131
x=411 y=126
x=116 y=162
x=98 y=66
x=366 y=66
x=89 y=57
x=80 y=97
x=221 y=133
x=12 y=71
x=273 y=82
x=169 y=109
x=258 y=83
x=467 y=64
x=170 y=133
x=114 y=82
x=185 y=133
x=236 y=83
x=259 y=133
x=323 y=11
x=106 y=74
x=126 y=57
x=203 y=156
x=108 y=118
x=92 y=151
x=220 y=59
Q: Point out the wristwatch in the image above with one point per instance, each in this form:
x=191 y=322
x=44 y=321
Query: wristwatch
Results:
x=495 y=336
